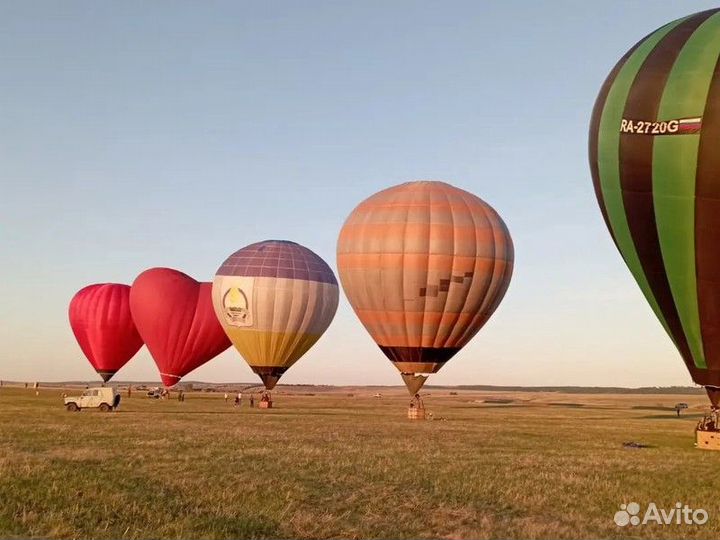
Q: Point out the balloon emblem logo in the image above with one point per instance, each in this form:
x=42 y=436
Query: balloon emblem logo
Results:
x=236 y=307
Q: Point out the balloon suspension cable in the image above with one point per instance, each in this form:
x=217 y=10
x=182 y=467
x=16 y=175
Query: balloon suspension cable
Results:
x=713 y=393
x=413 y=382
x=269 y=380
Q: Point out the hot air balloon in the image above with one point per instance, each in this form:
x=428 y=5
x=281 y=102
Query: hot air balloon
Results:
x=655 y=166
x=424 y=265
x=101 y=321
x=175 y=317
x=274 y=300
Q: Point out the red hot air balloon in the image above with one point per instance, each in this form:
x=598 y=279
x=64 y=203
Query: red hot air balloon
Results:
x=101 y=321
x=174 y=315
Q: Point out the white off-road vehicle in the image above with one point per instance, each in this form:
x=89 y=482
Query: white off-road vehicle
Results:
x=105 y=398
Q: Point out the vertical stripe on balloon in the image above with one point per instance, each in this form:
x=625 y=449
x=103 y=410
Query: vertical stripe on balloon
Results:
x=597 y=111
x=609 y=163
x=707 y=224
x=674 y=167
x=636 y=172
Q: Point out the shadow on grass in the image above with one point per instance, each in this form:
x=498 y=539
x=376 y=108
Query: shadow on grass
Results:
x=178 y=412
x=560 y=404
x=533 y=406
x=686 y=417
x=486 y=406
x=256 y=412
x=637 y=446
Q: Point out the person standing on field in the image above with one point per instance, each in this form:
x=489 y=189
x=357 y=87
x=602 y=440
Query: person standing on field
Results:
x=252 y=401
x=226 y=396
x=239 y=399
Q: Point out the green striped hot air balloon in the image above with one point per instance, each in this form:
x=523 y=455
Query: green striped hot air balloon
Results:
x=655 y=161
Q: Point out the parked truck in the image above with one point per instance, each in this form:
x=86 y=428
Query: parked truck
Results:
x=105 y=399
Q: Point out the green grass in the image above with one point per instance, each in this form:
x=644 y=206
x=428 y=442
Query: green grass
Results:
x=333 y=466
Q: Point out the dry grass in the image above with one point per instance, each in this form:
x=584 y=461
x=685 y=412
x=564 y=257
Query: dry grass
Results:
x=334 y=466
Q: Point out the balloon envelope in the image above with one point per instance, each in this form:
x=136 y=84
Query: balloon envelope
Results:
x=274 y=299
x=101 y=321
x=654 y=139
x=424 y=265
x=174 y=315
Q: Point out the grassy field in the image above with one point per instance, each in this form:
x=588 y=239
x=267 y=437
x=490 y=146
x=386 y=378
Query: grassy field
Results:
x=530 y=465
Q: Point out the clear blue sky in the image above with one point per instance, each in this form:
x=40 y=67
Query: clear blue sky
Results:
x=139 y=134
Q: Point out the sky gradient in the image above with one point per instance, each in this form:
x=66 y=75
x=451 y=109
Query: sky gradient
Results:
x=141 y=134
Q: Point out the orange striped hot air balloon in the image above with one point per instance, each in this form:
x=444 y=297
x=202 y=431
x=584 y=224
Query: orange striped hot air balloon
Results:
x=424 y=265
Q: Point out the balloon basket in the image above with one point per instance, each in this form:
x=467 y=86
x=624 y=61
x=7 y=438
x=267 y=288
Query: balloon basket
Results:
x=265 y=405
x=707 y=440
x=416 y=410
x=707 y=435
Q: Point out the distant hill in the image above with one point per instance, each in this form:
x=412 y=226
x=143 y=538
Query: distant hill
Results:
x=579 y=389
x=213 y=386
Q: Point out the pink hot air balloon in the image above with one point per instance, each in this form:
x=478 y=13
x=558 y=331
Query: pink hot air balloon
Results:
x=174 y=315
x=101 y=321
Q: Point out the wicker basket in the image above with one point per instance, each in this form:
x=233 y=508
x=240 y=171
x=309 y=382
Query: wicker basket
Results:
x=416 y=413
x=265 y=405
x=708 y=440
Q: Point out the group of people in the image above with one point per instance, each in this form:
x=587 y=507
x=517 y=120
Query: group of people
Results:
x=709 y=422
x=238 y=399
